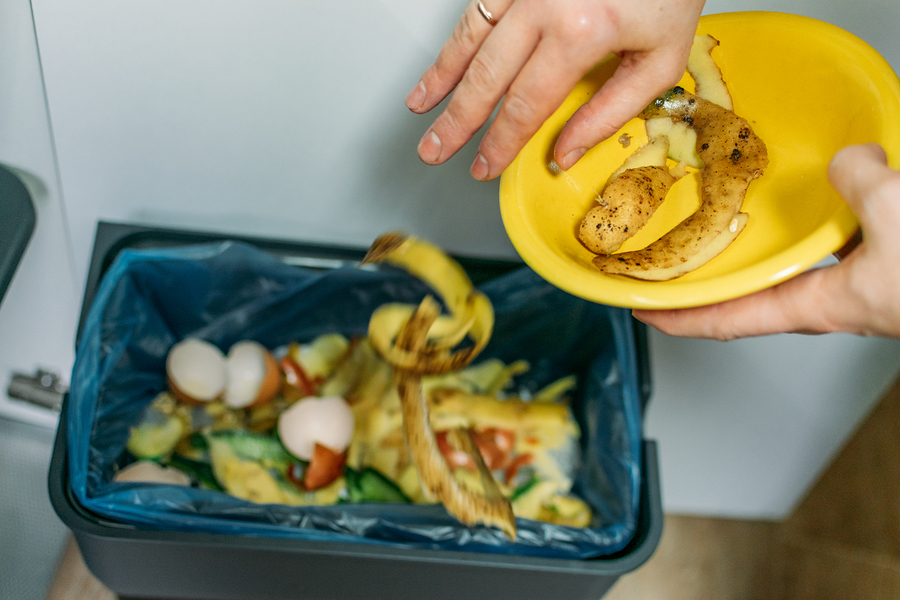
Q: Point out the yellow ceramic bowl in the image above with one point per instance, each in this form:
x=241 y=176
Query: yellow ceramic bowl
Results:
x=807 y=87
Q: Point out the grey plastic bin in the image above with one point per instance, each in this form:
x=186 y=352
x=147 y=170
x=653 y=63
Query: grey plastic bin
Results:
x=139 y=563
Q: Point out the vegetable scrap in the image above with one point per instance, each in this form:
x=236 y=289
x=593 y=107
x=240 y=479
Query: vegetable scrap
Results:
x=400 y=415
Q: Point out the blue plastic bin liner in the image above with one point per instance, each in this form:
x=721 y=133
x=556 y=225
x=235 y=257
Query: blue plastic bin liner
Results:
x=227 y=292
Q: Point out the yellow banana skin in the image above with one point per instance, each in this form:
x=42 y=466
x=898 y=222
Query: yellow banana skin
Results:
x=470 y=311
x=419 y=341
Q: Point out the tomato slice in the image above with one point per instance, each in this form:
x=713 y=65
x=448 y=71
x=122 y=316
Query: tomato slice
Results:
x=496 y=446
x=326 y=466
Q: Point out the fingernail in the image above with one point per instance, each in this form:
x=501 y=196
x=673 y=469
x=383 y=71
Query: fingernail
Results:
x=480 y=169
x=571 y=158
x=430 y=148
x=416 y=98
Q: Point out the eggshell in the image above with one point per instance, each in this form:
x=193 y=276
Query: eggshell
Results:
x=253 y=375
x=196 y=371
x=151 y=472
x=326 y=421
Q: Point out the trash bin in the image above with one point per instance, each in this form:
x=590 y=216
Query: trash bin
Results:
x=137 y=560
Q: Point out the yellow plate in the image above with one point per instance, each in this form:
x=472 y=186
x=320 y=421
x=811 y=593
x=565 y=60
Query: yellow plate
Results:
x=807 y=87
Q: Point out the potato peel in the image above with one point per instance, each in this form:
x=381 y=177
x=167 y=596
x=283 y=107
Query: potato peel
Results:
x=733 y=156
x=713 y=249
x=706 y=73
x=626 y=205
x=699 y=131
x=416 y=342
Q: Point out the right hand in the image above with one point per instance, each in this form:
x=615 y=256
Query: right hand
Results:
x=533 y=57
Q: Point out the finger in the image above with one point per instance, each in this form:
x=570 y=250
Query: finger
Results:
x=861 y=176
x=484 y=83
x=853 y=171
x=639 y=79
x=800 y=305
x=448 y=69
x=538 y=90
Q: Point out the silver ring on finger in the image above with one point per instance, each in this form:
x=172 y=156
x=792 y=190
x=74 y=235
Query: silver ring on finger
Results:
x=488 y=16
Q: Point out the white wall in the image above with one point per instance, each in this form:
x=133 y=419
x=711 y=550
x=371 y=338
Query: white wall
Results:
x=745 y=427
x=40 y=308
x=286 y=119
x=267 y=117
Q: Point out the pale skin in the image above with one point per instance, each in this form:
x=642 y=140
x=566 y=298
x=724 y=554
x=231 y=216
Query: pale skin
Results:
x=531 y=58
x=859 y=295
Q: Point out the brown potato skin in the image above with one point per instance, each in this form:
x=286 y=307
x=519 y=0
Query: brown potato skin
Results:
x=733 y=156
x=625 y=206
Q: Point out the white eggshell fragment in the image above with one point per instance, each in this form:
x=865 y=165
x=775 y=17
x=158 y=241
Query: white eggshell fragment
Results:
x=151 y=472
x=326 y=421
x=196 y=370
x=253 y=375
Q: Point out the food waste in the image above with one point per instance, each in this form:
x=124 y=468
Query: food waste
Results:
x=400 y=415
x=696 y=131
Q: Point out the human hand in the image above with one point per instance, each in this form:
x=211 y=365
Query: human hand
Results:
x=860 y=294
x=534 y=54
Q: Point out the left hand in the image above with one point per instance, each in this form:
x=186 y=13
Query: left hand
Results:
x=860 y=294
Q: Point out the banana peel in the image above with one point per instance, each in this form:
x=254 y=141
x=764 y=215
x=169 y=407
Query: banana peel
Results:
x=419 y=341
x=470 y=313
x=467 y=505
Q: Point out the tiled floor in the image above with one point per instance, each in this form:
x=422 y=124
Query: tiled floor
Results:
x=843 y=542
x=29 y=529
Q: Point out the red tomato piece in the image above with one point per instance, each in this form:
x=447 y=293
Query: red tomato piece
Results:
x=496 y=446
x=326 y=466
x=513 y=468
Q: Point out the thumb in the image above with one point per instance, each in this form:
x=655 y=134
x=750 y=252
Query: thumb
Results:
x=861 y=176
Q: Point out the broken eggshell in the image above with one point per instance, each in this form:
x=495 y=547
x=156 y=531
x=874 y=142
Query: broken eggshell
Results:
x=147 y=471
x=196 y=371
x=253 y=375
x=327 y=421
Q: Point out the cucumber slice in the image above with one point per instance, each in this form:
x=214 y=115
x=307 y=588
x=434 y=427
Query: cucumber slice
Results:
x=524 y=488
x=258 y=447
x=200 y=471
x=369 y=485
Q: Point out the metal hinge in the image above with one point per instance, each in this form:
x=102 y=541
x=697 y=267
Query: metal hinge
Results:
x=44 y=389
